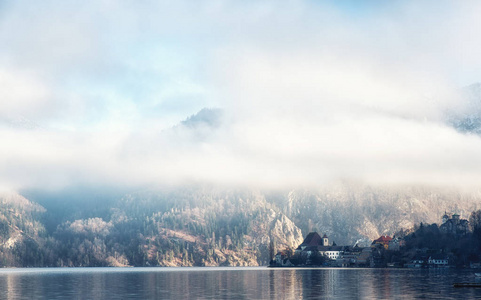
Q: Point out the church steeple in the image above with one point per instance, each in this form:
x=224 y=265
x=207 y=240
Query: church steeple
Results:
x=325 y=240
x=445 y=217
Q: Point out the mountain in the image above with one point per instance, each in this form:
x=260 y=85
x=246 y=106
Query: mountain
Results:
x=208 y=117
x=466 y=116
x=209 y=226
x=351 y=213
x=22 y=234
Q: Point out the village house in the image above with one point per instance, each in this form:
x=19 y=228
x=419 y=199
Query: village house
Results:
x=395 y=244
x=438 y=261
x=475 y=265
x=364 y=256
x=354 y=257
x=282 y=259
x=417 y=262
x=314 y=243
x=383 y=240
x=454 y=225
x=315 y=246
x=348 y=259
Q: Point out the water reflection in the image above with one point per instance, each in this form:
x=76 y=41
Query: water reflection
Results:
x=233 y=283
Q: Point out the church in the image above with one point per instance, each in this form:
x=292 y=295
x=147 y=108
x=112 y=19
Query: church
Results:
x=454 y=225
x=315 y=243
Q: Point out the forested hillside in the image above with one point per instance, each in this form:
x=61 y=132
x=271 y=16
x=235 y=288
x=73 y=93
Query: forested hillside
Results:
x=206 y=226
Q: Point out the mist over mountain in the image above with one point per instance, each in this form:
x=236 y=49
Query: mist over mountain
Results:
x=466 y=115
x=263 y=95
x=172 y=133
x=192 y=222
x=210 y=117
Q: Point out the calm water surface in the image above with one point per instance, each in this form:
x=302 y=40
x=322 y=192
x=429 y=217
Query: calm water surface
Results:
x=234 y=283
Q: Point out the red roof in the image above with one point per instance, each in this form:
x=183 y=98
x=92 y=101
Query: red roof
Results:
x=383 y=239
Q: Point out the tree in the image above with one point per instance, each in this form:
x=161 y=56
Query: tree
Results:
x=272 y=248
x=475 y=223
x=475 y=220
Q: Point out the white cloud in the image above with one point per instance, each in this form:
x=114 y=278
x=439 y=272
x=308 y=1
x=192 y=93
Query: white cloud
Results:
x=22 y=92
x=311 y=92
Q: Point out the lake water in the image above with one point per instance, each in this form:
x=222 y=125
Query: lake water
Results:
x=233 y=283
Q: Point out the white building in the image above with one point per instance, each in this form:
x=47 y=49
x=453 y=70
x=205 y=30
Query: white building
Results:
x=438 y=261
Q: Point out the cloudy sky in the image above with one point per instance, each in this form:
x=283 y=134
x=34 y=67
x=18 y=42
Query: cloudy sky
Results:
x=301 y=92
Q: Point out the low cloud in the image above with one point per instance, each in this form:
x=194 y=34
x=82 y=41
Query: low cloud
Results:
x=270 y=94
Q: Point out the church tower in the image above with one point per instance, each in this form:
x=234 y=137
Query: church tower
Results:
x=325 y=240
x=445 y=217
